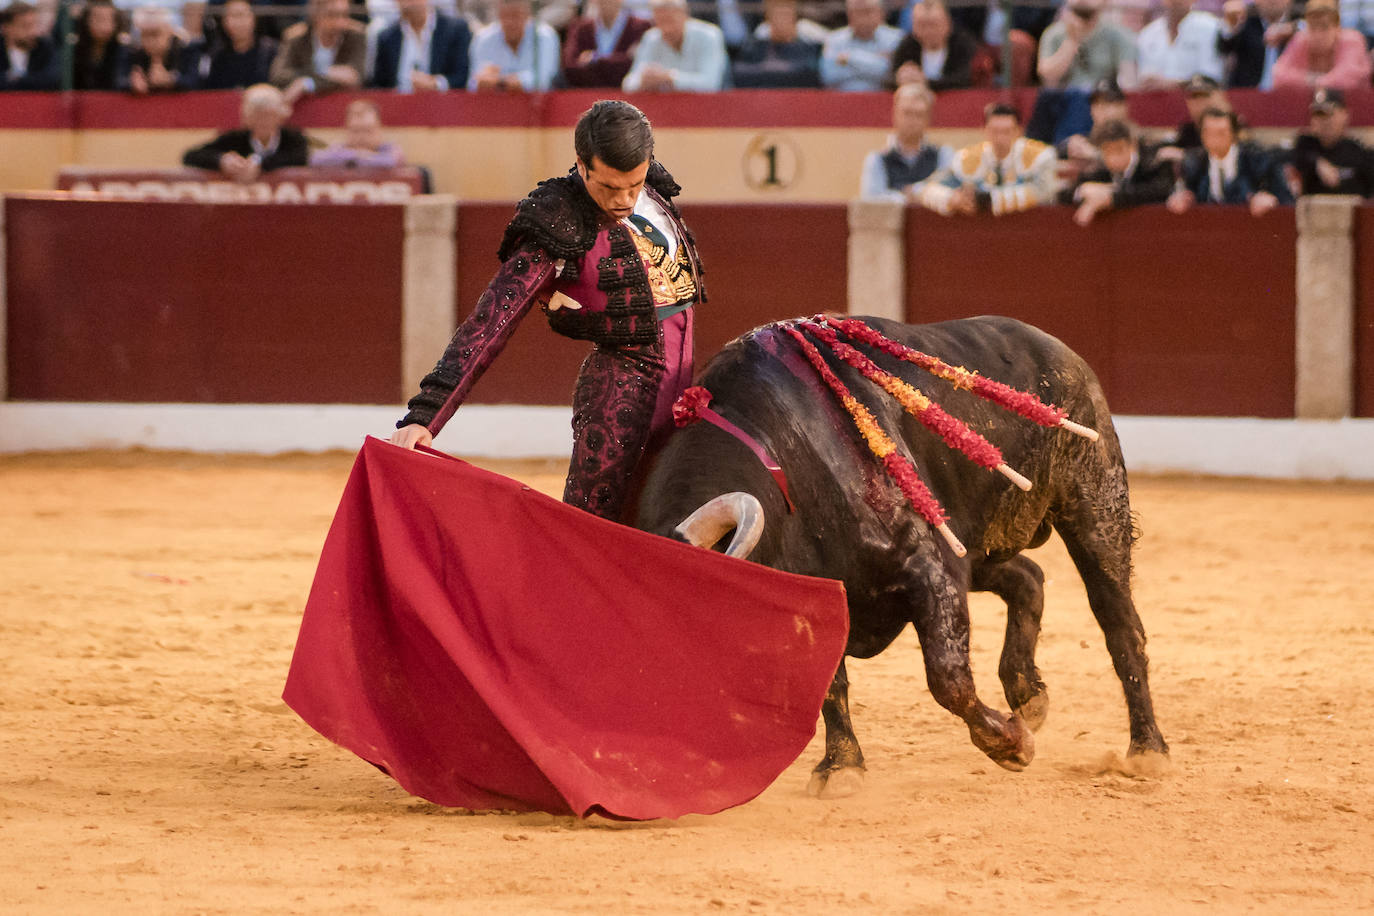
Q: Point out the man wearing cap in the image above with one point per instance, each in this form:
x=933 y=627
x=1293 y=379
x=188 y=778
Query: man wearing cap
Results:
x=899 y=172
x=1253 y=38
x=1107 y=103
x=1199 y=94
x=1324 y=54
x=1228 y=171
x=1078 y=53
x=1326 y=159
x=605 y=252
x=1178 y=45
x=1081 y=50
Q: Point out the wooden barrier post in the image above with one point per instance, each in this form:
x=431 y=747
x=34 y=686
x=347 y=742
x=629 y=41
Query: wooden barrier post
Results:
x=1325 y=332
x=877 y=258
x=428 y=283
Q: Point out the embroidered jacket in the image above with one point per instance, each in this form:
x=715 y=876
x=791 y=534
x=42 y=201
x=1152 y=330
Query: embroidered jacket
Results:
x=559 y=246
x=1024 y=179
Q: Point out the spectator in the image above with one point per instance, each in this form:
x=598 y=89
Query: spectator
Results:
x=1359 y=15
x=423 y=51
x=678 y=53
x=1128 y=174
x=1078 y=53
x=100 y=56
x=1326 y=158
x=900 y=171
x=937 y=52
x=986 y=21
x=162 y=61
x=736 y=24
x=1252 y=39
x=1178 y=45
x=858 y=57
x=516 y=53
x=31 y=62
x=237 y=57
x=1228 y=171
x=327 y=52
x=1200 y=93
x=363 y=145
x=1107 y=103
x=784 y=59
x=807 y=29
x=1324 y=54
x=1081 y=50
x=263 y=143
x=600 y=48
x=1005 y=173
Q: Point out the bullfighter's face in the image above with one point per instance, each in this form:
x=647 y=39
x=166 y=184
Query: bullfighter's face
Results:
x=614 y=191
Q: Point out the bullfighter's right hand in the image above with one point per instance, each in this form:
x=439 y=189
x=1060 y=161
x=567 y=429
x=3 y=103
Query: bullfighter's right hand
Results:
x=412 y=435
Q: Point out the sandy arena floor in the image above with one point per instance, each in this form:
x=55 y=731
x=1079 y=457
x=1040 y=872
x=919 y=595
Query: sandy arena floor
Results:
x=149 y=604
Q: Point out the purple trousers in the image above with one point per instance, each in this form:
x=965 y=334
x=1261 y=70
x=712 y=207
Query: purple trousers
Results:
x=622 y=408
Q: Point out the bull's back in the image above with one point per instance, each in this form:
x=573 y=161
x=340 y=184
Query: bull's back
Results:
x=841 y=493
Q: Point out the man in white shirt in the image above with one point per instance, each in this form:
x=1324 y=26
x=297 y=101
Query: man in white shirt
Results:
x=515 y=53
x=858 y=57
x=1179 y=45
x=678 y=54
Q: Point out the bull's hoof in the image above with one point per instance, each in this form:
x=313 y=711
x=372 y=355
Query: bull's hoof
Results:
x=1011 y=746
x=1035 y=710
x=836 y=782
x=1151 y=764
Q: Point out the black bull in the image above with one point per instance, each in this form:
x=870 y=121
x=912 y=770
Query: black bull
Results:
x=851 y=522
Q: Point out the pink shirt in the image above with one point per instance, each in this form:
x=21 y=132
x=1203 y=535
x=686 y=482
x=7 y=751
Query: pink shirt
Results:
x=1349 y=71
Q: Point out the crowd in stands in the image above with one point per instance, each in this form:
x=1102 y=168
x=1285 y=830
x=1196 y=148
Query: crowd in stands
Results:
x=1209 y=159
x=1076 y=146
x=307 y=46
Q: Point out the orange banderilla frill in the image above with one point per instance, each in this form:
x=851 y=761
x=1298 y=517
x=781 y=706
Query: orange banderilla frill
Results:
x=955 y=432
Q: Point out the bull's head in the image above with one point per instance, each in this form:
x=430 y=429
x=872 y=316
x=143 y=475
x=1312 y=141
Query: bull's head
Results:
x=738 y=511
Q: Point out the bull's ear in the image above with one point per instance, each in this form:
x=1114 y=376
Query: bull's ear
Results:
x=737 y=511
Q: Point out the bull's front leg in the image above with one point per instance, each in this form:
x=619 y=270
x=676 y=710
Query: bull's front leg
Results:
x=1021 y=584
x=939 y=599
x=841 y=772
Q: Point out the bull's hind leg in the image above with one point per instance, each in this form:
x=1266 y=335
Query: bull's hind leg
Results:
x=939 y=604
x=1020 y=583
x=1096 y=528
x=841 y=772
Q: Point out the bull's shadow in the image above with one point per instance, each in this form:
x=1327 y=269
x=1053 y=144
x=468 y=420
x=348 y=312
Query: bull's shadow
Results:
x=851 y=522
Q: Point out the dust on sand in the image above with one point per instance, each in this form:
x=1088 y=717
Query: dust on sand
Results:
x=149 y=604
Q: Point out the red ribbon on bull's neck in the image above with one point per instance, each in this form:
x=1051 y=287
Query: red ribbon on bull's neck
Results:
x=692 y=406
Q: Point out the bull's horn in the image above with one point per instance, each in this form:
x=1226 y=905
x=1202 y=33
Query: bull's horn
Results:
x=707 y=525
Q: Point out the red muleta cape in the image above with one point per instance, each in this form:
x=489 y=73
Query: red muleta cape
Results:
x=490 y=647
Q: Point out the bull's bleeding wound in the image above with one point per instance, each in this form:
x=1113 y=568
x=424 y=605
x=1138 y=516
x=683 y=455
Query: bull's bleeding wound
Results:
x=898 y=467
x=933 y=417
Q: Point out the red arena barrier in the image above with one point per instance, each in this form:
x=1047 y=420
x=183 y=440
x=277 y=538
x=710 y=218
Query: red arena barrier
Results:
x=1178 y=316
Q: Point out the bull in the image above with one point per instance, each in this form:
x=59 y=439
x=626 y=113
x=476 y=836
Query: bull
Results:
x=848 y=521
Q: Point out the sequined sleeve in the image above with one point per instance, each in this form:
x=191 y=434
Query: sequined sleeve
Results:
x=525 y=278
